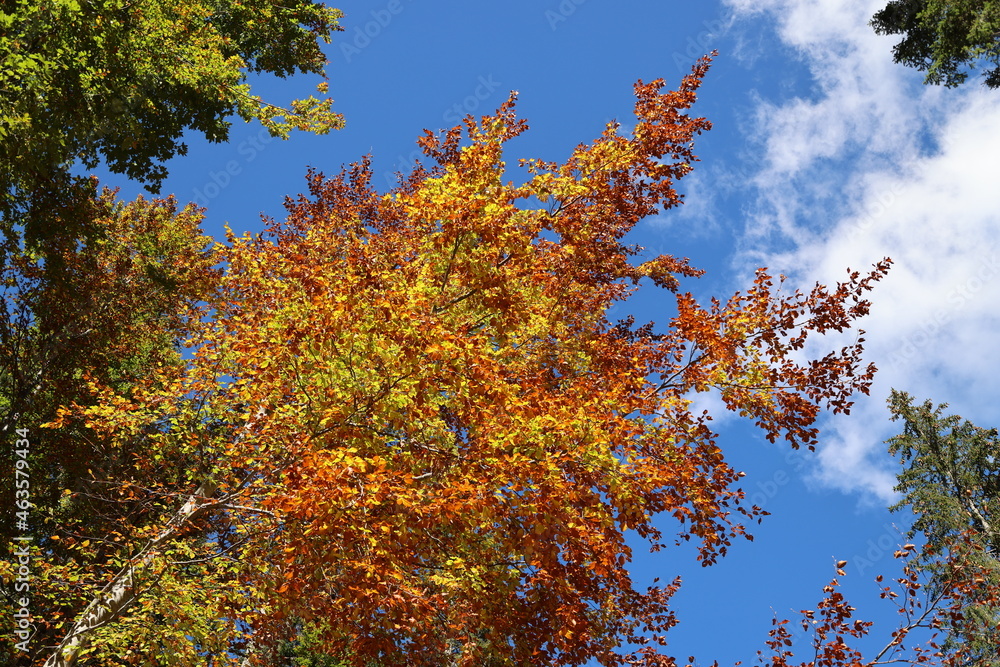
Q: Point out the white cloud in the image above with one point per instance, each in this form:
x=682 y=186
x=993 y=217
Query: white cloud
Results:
x=873 y=164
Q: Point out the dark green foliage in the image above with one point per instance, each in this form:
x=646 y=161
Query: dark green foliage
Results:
x=945 y=38
x=951 y=482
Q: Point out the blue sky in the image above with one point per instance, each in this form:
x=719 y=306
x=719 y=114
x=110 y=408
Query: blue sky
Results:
x=824 y=155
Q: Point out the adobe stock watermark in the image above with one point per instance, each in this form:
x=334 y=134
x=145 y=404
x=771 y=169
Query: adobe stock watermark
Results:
x=887 y=543
x=456 y=112
x=697 y=46
x=21 y=549
x=875 y=208
x=218 y=181
x=765 y=490
x=484 y=89
x=984 y=274
x=363 y=35
x=562 y=12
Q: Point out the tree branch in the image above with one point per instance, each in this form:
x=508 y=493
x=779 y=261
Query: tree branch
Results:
x=121 y=592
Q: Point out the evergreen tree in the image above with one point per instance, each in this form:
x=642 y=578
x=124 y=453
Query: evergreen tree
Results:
x=951 y=482
x=945 y=38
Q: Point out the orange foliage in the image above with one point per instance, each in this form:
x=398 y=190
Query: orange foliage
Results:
x=438 y=441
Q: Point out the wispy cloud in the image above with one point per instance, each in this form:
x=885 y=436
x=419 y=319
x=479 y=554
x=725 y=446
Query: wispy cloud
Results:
x=870 y=163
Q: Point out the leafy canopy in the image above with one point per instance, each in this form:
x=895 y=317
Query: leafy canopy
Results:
x=951 y=482
x=114 y=314
x=121 y=81
x=945 y=38
x=419 y=439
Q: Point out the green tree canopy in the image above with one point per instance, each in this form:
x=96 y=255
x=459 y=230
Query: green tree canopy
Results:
x=120 y=82
x=951 y=481
x=945 y=38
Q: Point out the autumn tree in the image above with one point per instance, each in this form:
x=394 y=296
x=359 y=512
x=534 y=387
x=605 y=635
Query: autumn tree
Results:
x=115 y=312
x=119 y=82
x=85 y=298
x=945 y=38
x=420 y=441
